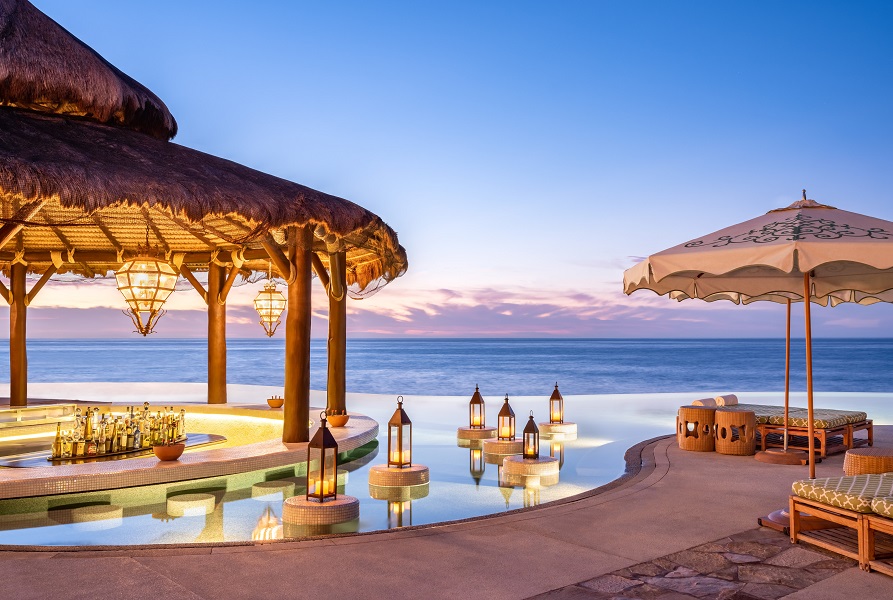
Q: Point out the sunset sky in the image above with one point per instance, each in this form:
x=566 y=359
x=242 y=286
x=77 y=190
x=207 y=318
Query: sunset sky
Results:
x=526 y=152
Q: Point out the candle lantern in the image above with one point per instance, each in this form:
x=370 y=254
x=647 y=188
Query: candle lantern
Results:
x=556 y=406
x=556 y=450
x=476 y=414
x=531 y=439
x=145 y=282
x=476 y=464
x=506 y=422
x=269 y=305
x=400 y=438
x=322 y=464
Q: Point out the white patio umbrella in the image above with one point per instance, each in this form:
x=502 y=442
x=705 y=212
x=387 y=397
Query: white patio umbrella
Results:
x=807 y=250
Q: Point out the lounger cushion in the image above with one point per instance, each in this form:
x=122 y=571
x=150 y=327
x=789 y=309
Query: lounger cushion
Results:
x=883 y=505
x=823 y=418
x=852 y=493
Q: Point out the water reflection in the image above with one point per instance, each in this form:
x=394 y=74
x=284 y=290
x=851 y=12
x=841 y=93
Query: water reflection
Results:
x=556 y=450
x=269 y=527
x=476 y=465
x=399 y=513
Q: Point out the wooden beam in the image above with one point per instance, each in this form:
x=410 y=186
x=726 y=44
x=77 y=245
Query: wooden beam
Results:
x=188 y=276
x=296 y=413
x=68 y=246
x=155 y=230
x=338 y=274
x=108 y=233
x=111 y=257
x=4 y=291
x=40 y=283
x=18 y=354
x=25 y=212
x=228 y=284
x=320 y=270
x=280 y=261
x=188 y=228
x=337 y=342
x=216 y=337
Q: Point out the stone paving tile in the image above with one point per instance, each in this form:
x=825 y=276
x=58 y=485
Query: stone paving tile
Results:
x=753 y=565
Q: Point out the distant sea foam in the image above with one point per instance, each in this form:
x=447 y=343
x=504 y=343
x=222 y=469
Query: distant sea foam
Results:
x=453 y=366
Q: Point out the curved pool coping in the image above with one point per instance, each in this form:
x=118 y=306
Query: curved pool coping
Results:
x=196 y=464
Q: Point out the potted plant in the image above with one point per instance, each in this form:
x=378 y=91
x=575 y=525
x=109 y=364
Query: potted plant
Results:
x=169 y=450
x=337 y=417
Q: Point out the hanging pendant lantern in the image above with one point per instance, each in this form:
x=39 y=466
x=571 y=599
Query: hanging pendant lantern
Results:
x=531 y=439
x=269 y=304
x=145 y=282
x=322 y=464
x=506 y=422
x=399 y=438
x=476 y=414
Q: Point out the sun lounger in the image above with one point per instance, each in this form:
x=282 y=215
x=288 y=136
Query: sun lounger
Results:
x=834 y=429
x=861 y=506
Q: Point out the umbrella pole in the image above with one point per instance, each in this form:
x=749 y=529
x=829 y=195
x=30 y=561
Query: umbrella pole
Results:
x=787 y=374
x=809 y=412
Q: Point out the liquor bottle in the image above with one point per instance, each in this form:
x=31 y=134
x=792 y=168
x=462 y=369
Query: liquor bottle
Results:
x=130 y=436
x=122 y=435
x=181 y=424
x=78 y=444
x=66 y=445
x=57 y=443
x=137 y=438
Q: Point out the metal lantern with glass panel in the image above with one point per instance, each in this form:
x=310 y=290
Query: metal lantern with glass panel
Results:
x=506 y=422
x=399 y=438
x=531 y=439
x=476 y=414
x=269 y=305
x=145 y=282
x=556 y=406
x=322 y=464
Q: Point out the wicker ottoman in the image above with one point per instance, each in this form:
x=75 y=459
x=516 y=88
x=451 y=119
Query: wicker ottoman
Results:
x=863 y=461
x=694 y=428
x=735 y=432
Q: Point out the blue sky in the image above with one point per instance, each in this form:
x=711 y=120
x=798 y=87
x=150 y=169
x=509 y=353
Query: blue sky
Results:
x=526 y=152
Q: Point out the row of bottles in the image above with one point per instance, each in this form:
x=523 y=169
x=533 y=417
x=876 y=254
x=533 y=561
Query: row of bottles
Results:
x=95 y=433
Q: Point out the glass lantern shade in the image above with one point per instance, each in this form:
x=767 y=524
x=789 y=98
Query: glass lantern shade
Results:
x=531 y=439
x=269 y=304
x=505 y=422
x=476 y=414
x=556 y=407
x=400 y=438
x=322 y=464
x=145 y=282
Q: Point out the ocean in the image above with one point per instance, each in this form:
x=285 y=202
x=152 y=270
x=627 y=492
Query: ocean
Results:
x=452 y=367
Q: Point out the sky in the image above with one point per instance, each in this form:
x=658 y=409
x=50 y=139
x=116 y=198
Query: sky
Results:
x=525 y=152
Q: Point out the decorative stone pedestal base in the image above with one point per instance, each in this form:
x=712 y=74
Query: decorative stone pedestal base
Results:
x=298 y=510
x=297 y=530
x=190 y=505
x=558 y=431
x=517 y=465
x=469 y=433
x=473 y=444
x=398 y=493
x=384 y=476
x=496 y=446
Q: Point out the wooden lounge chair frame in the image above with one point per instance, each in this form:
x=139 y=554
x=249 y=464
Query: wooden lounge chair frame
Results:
x=864 y=526
x=823 y=436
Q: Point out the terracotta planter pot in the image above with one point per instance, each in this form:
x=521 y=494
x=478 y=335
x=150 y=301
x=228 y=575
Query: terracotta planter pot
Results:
x=275 y=402
x=172 y=452
x=337 y=420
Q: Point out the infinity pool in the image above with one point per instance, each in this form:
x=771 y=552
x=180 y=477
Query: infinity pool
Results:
x=464 y=482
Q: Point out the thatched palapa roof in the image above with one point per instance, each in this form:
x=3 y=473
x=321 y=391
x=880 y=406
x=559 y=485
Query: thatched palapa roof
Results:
x=86 y=168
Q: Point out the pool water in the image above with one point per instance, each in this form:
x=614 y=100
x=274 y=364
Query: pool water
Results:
x=464 y=481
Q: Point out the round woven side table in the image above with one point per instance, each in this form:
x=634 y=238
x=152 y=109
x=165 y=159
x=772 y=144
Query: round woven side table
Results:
x=735 y=432
x=694 y=428
x=862 y=461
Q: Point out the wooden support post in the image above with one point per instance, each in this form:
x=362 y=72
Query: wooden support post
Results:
x=296 y=412
x=35 y=289
x=320 y=270
x=216 y=336
x=337 y=344
x=187 y=274
x=228 y=284
x=18 y=355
